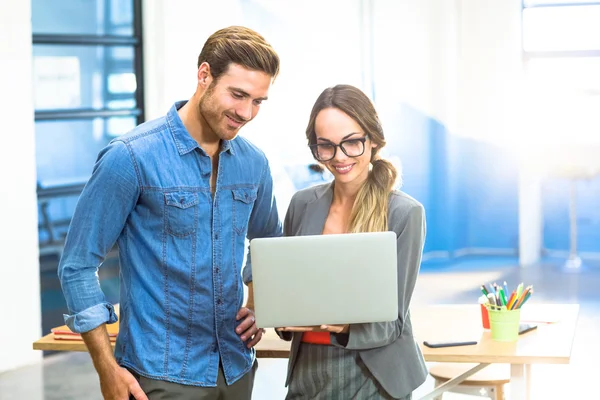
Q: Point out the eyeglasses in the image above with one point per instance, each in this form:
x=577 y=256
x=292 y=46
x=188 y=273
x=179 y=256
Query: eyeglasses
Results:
x=350 y=147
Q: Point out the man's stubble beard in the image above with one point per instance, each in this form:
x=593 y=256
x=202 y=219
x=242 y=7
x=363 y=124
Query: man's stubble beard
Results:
x=206 y=111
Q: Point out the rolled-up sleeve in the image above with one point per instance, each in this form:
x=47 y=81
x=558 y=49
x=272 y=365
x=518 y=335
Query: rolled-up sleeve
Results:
x=99 y=218
x=410 y=241
x=264 y=220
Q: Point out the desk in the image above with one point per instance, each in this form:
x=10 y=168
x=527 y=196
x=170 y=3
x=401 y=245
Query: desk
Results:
x=271 y=346
x=549 y=344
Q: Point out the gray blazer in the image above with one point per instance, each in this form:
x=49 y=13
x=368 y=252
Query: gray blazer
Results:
x=388 y=349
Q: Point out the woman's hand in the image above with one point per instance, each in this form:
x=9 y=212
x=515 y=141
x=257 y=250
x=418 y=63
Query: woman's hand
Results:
x=336 y=328
x=316 y=328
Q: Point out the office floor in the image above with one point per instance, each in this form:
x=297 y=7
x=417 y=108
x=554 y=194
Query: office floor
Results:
x=71 y=376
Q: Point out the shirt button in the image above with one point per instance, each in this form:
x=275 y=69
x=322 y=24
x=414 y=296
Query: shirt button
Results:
x=217 y=270
x=219 y=302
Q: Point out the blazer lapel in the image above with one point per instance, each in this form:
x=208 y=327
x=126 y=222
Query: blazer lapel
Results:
x=313 y=220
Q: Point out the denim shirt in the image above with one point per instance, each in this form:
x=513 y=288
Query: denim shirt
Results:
x=181 y=250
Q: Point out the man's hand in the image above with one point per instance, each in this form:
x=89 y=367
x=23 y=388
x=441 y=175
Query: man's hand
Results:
x=118 y=383
x=247 y=329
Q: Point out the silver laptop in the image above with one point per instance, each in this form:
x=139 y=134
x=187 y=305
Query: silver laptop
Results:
x=325 y=279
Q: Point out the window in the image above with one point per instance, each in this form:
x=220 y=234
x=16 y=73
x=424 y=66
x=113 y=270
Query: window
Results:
x=561 y=46
x=87 y=81
x=87 y=75
x=561 y=28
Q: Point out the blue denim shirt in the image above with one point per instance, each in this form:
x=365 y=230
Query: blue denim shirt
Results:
x=181 y=250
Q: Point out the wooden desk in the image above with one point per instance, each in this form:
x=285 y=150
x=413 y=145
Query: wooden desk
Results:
x=551 y=343
x=271 y=346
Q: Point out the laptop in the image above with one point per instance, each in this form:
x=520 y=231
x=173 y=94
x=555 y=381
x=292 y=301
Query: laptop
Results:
x=325 y=279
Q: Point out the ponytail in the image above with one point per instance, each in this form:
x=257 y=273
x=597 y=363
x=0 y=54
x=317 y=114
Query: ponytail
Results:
x=370 y=210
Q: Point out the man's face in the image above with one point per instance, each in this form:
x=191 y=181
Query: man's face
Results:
x=233 y=100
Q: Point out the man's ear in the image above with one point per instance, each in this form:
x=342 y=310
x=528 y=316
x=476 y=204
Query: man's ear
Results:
x=204 y=76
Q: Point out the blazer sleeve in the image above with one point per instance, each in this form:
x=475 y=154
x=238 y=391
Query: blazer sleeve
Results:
x=411 y=237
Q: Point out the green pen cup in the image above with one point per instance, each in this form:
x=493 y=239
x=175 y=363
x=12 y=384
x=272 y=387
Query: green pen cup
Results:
x=504 y=324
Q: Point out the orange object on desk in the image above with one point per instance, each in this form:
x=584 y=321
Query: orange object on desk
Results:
x=485 y=317
x=316 y=337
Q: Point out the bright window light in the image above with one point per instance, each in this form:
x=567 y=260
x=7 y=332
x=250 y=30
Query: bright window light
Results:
x=561 y=28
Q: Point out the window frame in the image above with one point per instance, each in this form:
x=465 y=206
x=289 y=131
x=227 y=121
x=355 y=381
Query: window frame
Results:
x=47 y=193
x=102 y=40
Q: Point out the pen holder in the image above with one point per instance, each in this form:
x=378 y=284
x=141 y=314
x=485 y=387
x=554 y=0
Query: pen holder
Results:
x=504 y=323
x=485 y=317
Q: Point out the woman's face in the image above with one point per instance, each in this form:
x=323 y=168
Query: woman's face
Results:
x=334 y=127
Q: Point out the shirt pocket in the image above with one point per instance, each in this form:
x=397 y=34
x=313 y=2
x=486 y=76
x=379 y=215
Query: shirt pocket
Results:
x=181 y=209
x=243 y=201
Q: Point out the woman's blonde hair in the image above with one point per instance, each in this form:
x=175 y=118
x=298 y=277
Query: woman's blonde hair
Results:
x=370 y=209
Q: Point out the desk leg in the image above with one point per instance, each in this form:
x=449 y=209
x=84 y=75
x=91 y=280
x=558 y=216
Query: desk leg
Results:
x=520 y=382
x=453 y=382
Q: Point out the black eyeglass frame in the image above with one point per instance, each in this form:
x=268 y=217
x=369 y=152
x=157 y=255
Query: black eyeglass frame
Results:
x=314 y=148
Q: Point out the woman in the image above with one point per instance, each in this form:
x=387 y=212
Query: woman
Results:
x=358 y=361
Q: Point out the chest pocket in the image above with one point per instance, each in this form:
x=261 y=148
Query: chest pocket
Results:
x=181 y=213
x=243 y=201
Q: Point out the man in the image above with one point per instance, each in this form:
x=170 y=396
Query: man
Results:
x=179 y=195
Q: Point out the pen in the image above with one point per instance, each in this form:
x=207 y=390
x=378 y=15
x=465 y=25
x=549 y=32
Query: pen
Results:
x=505 y=289
x=502 y=297
x=495 y=292
x=498 y=290
x=484 y=290
x=491 y=299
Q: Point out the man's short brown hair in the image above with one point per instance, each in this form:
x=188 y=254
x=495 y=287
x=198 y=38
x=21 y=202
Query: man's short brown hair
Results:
x=238 y=45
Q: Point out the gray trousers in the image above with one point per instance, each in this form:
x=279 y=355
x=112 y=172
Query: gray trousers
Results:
x=162 y=390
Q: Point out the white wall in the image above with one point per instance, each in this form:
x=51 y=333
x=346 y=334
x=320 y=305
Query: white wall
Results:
x=490 y=69
x=19 y=267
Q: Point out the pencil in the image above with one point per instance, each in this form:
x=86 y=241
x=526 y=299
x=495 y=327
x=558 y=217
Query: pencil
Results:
x=522 y=298
x=526 y=298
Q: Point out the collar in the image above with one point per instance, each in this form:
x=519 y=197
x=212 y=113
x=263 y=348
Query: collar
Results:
x=183 y=141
